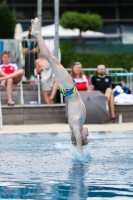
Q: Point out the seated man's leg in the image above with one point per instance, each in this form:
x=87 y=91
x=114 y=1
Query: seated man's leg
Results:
x=109 y=94
x=17 y=79
x=54 y=90
x=10 y=79
x=15 y=76
x=9 y=83
x=45 y=96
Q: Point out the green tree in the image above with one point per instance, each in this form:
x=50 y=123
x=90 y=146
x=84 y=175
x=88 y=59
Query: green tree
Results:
x=7 y=21
x=81 y=21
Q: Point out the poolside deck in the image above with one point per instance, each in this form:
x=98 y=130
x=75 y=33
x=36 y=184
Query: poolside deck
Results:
x=61 y=128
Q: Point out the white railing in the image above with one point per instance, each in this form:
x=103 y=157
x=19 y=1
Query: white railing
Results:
x=131 y=80
x=91 y=71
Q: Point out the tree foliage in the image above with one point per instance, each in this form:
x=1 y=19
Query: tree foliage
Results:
x=81 y=21
x=91 y=60
x=7 y=21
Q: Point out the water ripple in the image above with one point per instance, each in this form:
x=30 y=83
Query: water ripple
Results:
x=47 y=166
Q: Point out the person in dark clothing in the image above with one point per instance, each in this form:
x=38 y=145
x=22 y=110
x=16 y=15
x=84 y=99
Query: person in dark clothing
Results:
x=30 y=50
x=102 y=82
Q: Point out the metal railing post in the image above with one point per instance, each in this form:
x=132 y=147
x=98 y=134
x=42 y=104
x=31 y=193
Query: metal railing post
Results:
x=1 y=121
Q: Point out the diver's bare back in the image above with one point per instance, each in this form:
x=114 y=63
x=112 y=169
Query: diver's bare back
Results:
x=76 y=110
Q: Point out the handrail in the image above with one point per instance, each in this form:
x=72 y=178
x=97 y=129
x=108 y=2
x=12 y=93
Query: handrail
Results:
x=95 y=69
x=131 y=80
x=116 y=72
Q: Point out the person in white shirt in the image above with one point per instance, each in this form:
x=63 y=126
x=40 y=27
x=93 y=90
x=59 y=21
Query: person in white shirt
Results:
x=10 y=74
x=48 y=80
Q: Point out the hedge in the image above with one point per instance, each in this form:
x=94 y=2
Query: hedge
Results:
x=68 y=57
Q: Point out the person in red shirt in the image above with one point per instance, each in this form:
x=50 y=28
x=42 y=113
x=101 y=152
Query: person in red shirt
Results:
x=82 y=81
x=10 y=73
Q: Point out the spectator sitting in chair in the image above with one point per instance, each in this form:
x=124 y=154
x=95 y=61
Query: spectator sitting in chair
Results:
x=10 y=74
x=102 y=82
x=82 y=81
x=48 y=80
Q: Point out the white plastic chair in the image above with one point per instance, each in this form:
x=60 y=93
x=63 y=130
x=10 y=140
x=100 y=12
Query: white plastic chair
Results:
x=37 y=81
x=20 y=84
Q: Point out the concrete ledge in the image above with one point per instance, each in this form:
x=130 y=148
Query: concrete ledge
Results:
x=50 y=114
x=33 y=114
x=126 y=110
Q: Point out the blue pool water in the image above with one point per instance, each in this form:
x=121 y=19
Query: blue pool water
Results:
x=45 y=166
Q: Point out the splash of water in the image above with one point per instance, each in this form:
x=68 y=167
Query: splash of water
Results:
x=75 y=155
x=81 y=157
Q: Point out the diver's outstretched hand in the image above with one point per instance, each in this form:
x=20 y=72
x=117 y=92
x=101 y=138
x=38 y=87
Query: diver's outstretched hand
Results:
x=36 y=29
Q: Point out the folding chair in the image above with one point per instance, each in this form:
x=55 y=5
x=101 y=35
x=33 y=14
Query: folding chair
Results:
x=20 y=84
x=37 y=81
